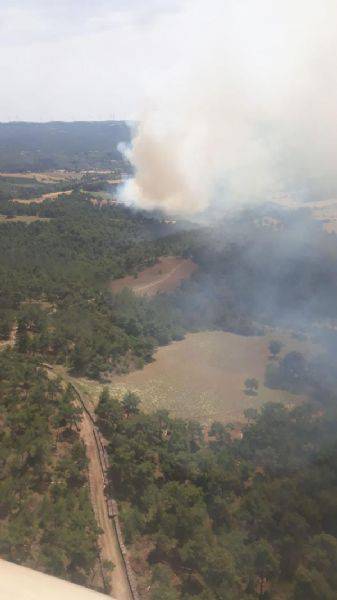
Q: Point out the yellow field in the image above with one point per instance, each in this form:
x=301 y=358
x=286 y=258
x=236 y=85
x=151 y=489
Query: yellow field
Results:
x=202 y=377
x=61 y=175
x=40 y=199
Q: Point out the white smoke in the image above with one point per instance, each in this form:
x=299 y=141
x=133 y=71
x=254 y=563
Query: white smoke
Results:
x=246 y=109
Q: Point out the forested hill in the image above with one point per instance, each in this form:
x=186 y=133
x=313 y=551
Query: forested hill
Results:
x=61 y=145
x=205 y=515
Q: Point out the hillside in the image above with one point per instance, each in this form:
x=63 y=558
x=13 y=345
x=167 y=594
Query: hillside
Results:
x=202 y=506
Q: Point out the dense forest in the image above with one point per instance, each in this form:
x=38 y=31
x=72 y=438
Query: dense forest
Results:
x=54 y=278
x=217 y=518
x=46 y=518
x=55 y=274
x=61 y=145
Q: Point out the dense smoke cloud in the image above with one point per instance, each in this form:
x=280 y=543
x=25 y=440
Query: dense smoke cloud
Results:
x=246 y=110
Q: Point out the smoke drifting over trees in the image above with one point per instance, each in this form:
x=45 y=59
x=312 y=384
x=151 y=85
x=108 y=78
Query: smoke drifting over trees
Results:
x=246 y=110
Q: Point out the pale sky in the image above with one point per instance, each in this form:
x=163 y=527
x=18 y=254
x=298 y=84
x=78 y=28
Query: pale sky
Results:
x=83 y=59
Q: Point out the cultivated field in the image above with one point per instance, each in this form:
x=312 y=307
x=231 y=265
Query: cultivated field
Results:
x=165 y=276
x=202 y=377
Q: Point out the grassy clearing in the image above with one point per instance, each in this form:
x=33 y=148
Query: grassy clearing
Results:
x=40 y=199
x=43 y=177
x=22 y=219
x=165 y=276
x=202 y=377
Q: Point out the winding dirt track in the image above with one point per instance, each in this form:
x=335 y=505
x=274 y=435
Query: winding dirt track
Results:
x=120 y=588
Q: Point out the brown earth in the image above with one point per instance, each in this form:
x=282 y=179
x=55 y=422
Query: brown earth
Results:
x=107 y=540
x=165 y=276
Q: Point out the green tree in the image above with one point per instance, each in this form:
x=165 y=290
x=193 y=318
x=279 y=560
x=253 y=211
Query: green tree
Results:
x=275 y=347
x=251 y=385
x=131 y=404
x=266 y=564
x=22 y=339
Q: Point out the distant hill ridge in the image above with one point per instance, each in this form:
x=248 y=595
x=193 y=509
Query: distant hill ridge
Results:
x=26 y=146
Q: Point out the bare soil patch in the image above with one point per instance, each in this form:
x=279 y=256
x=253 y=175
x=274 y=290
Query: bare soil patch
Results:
x=165 y=276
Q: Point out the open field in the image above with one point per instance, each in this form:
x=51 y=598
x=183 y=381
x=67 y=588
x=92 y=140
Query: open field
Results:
x=39 y=199
x=22 y=219
x=203 y=376
x=47 y=176
x=165 y=276
x=57 y=176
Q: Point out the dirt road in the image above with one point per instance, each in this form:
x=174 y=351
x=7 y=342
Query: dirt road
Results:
x=108 y=542
x=120 y=588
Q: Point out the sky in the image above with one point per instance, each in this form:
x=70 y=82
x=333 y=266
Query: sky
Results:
x=80 y=59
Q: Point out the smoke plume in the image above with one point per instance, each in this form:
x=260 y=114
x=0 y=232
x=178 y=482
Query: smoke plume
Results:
x=243 y=109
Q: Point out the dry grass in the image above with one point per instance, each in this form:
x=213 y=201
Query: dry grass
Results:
x=54 y=176
x=202 y=377
x=165 y=276
x=46 y=177
x=39 y=199
x=22 y=219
